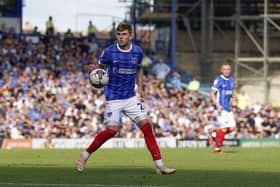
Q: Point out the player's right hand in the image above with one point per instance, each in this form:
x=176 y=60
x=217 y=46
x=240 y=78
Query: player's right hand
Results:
x=90 y=67
x=220 y=109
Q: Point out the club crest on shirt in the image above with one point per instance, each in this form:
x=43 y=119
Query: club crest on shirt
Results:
x=109 y=114
x=134 y=60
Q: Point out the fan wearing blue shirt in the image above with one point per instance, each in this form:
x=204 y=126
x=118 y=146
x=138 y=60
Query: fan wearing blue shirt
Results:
x=221 y=94
x=122 y=63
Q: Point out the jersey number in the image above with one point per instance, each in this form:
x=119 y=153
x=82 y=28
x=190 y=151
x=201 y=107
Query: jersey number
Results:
x=141 y=106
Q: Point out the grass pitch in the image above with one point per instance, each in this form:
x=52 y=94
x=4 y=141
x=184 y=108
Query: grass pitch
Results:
x=241 y=167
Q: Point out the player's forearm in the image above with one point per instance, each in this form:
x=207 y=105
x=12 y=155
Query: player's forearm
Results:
x=140 y=80
x=213 y=98
x=234 y=95
x=215 y=102
x=102 y=66
x=140 y=89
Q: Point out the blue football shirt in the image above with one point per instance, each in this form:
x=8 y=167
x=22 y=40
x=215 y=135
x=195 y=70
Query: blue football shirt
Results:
x=122 y=70
x=224 y=87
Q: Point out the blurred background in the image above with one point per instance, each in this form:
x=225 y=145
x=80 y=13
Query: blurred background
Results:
x=46 y=46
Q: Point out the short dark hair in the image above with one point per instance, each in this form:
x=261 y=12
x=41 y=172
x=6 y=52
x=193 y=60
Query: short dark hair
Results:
x=124 y=26
x=226 y=64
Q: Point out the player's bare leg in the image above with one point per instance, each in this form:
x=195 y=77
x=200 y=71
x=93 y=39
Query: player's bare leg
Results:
x=154 y=149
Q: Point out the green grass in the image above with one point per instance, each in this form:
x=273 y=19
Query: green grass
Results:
x=242 y=167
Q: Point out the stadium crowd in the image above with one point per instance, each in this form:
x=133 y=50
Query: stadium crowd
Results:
x=45 y=93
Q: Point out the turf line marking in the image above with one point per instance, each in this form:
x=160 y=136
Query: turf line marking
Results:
x=61 y=184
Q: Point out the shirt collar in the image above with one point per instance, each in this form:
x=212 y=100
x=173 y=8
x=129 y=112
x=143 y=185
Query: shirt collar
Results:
x=224 y=77
x=125 y=51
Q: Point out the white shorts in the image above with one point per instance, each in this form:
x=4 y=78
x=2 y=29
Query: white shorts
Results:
x=225 y=119
x=131 y=107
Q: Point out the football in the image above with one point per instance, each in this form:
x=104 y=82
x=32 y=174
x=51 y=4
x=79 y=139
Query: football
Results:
x=98 y=78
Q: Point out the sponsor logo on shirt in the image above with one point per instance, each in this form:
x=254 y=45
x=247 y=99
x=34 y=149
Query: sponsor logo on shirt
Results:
x=228 y=92
x=126 y=71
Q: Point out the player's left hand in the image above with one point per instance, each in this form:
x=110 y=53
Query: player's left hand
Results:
x=141 y=95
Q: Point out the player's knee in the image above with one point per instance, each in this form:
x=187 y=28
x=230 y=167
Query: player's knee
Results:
x=113 y=127
x=224 y=130
x=143 y=122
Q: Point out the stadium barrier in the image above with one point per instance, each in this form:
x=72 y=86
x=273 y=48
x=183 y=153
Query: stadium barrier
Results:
x=112 y=143
x=62 y=143
x=260 y=142
x=17 y=144
x=205 y=143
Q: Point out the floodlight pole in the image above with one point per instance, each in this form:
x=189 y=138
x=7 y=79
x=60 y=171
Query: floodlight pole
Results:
x=266 y=50
x=173 y=36
x=236 y=43
x=134 y=21
x=207 y=26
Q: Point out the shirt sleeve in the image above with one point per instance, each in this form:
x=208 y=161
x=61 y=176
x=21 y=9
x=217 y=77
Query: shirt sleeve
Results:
x=216 y=85
x=105 y=57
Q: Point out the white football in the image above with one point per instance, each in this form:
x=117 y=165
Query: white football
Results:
x=98 y=78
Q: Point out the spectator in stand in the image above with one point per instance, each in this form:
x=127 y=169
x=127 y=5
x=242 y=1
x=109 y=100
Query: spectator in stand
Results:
x=93 y=46
x=36 y=82
x=35 y=31
x=50 y=26
x=91 y=30
x=3 y=28
x=194 y=85
x=84 y=46
x=68 y=37
x=160 y=69
x=68 y=34
x=242 y=100
x=146 y=63
x=176 y=81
